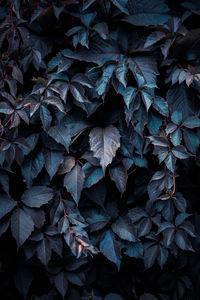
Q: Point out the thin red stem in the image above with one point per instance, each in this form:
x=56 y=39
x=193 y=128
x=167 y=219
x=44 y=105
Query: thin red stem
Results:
x=23 y=108
x=64 y=210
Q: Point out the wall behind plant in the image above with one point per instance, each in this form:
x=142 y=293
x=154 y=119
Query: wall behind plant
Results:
x=99 y=149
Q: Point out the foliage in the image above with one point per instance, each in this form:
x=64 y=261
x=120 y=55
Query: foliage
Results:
x=99 y=149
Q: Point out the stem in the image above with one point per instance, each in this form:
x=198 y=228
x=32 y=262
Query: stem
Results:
x=23 y=108
x=174 y=185
x=9 y=120
x=79 y=162
x=64 y=210
x=132 y=171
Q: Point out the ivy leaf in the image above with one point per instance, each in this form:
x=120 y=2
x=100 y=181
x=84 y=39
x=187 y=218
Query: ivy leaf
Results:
x=37 y=196
x=44 y=251
x=110 y=248
x=150 y=256
x=52 y=159
x=32 y=166
x=92 y=175
x=66 y=165
x=103 y=83
x=23 y=278
x=74 y=181
x=61 y=135
x=6 y=205
x=6 y=108
x=119 y=175
x=161 y=106
x=129 y=95
x=144 y=69
x=121 y=4
x=134 y=250
x=113 y=297
x=124 y=229
x=21 y=226
x=104 y=142
x=153 y=38
x=192 y=122
x=180 y=152
x=147 y=13
x=61 y=283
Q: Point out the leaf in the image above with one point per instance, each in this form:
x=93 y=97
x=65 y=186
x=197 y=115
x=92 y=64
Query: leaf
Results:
x=188 y=227
x=44 y=251
x=4 y=181
x=74 y=181
x=110 y=248
x=129 y=95
x=119 y=175
x=170 y=162
x=161 y=106
x=180 y=152
x=21 y=226
x=162 y=258
x=32 y=142
x=23 y=278
x=52 y=100
x=182 y=241
x=134 y=250
x=147 y=98
x=32 y=166
x=136 y=214
x=192 y=122
x=61 y=283
x=153 y=38
x=52 y=159
x=176 y=137
x=124 y=229
x=147 y=13
x=102 y=30
x=147 y=296
x=37 y=196
x=45 y=117
x=104 y=142
x=144 y=69
x=87 y=3
x=181 y=218
x=177 y=117
x=6 y=205
x=154 y=123
x=61 y=135
x=180 y=202
x=6 y=108
x=179 y=99
x=150 y=256
x=66 y=165
x=17 y=74
x=191 y=140
x=145 y=226
x=121 y=4
x=113 y=297
x=164 y=226
x=159 y=141
x=78 y=92
x=92 y=175
x=121 y=72
x=103 y=83
x=83 y=80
